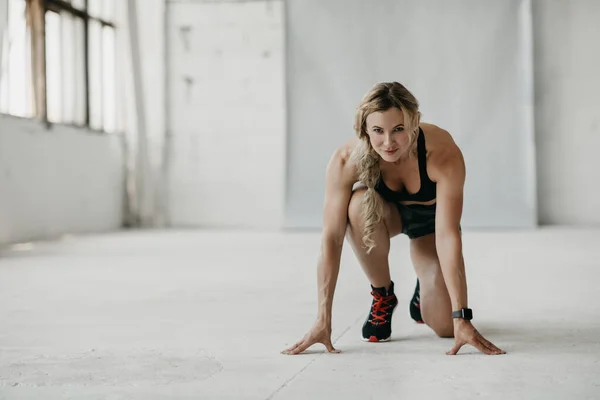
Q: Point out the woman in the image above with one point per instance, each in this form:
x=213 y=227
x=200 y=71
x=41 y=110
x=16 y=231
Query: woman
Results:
x=411 y=177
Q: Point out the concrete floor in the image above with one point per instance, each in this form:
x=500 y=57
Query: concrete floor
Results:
x=204 y=315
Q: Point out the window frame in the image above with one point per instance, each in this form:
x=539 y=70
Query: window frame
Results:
x=35 y=15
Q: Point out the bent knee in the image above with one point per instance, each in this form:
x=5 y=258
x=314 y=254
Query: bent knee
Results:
x=355 y=214
x=442 y=327
x=444 y=331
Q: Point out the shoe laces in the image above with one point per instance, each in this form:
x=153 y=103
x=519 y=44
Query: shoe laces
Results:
x=416 y=300
x=379 y=309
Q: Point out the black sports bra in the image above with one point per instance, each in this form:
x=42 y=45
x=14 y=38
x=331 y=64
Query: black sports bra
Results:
x=426 y=193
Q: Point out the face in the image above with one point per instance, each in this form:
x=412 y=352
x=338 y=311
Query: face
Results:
x=387 y=133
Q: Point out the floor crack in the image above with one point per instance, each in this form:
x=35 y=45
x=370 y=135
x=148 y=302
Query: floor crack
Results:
x=287 y=382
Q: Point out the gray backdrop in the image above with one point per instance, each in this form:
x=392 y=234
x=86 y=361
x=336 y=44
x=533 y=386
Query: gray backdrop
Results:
x=467 y=61
x=567 y=61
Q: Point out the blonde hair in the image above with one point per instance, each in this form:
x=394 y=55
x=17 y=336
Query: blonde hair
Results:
x=381 y=97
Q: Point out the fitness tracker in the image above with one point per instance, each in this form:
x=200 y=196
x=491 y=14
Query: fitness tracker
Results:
x=465 y=313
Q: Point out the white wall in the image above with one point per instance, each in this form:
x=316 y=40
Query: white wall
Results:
x=226 y=113
x=141 y=81
x=567 y=65
x=146 y=49
x=62 y=180
x=3 y=21
x=467 y=61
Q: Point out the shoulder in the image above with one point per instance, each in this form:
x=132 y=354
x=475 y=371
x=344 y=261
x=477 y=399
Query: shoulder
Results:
x=342 y=166
x=444 y=157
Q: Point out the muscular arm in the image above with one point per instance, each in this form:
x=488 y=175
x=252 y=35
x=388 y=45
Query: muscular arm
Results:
x=338 y=191
x=450 y=176
x=339 y=180
x=449 y=171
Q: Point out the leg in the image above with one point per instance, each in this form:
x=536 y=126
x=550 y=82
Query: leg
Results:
x=375 y=264
x=378 y=325
x=436 y=308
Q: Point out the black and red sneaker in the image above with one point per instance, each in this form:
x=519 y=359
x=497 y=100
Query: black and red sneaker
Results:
x=415 y=305
x=378 y=326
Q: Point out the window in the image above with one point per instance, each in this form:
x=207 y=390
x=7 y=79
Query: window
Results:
x=59 y=62
x=16 y=87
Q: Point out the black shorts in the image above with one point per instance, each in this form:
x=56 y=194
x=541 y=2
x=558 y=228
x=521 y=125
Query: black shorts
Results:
x=417 y=219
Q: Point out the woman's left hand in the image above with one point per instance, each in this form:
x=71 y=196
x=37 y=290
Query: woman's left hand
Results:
x=465 y=333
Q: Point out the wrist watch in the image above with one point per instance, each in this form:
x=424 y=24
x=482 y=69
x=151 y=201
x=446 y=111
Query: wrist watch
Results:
x=464 y=313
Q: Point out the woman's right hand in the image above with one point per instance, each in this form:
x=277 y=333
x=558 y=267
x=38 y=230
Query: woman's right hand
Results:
x=319 y=333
